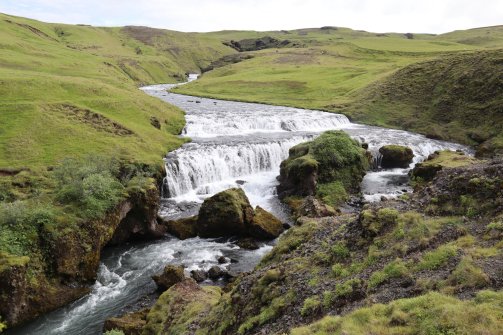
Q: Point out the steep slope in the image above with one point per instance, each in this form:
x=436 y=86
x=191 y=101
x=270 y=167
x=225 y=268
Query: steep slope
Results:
x=456 y=97
x=54 y=76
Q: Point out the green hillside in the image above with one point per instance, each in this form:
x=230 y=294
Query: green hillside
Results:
x=66 y=90
x=341 y=70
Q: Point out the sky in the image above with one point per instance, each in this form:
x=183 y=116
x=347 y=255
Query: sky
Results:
x=417 y=16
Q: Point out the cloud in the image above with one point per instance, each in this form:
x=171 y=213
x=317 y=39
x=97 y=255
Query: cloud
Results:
x=434 y=16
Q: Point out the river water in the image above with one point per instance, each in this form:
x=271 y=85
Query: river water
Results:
x=233 y=144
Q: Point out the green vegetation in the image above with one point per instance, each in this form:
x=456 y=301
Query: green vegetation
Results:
x=311 y=305
x=179 y=307
x=395 y=269
x=72 y=90
x=432 y=313
x=113 y=332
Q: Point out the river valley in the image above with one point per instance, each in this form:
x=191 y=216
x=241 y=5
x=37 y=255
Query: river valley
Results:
x=233 y=144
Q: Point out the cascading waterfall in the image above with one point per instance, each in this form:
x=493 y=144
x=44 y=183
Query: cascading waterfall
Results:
x=196 y=164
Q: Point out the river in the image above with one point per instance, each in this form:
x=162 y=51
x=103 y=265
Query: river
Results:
x=234 y=144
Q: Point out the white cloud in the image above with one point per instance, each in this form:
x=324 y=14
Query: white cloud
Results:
x=434 y=16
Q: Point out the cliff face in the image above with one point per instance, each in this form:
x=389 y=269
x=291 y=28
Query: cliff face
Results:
x=73 y=260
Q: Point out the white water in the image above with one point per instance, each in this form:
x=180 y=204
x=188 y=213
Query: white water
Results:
x=234 y=145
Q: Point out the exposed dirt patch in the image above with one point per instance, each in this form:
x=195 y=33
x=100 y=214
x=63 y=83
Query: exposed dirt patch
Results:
x=143 y=34
x=95 y=120
x=33 y=30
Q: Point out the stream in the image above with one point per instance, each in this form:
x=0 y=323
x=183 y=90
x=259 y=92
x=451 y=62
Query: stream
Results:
x=234 y=144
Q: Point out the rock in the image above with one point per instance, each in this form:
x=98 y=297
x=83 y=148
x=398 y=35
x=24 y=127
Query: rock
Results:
x=333 y=164
x=183 y=228
x=313 y=208
x=129 y=324
x=171 y=275
x=383 y=198
x=155 y=122
x=396 y=156
x=437 y=161
x=227 y=213
x=198 y=275
x=240 y=182
x=247 y=243
x=215 y=272
x=265 y=226
x=222 y=260
x=365 y=146
x=180 y=309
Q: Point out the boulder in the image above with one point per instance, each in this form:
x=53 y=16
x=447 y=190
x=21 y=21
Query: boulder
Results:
x=248 y=244
x=265 y=226
x=198 y=275
x=227 y=213
x=215 y=272
x=182 y=228
x=171 y=275
x=129 y=324
x=331 y=167
x=313 y=208
x=396 y=156
x=181 y=309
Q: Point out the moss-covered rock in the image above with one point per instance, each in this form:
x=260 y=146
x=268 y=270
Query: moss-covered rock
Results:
x=227 y=213
x=179 y=310
x=331 y=166
x=439 y=160
x=128 y=324
x=265 y=225
x=396 y=156
x=182 y=228
x=171 y=275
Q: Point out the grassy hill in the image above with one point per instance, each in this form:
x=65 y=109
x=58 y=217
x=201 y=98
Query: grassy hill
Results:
x=67 y=89
x=341 y=70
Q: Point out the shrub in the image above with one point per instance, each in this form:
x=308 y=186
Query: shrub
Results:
x=90 y=184
x=395 y=269
x=339 y=271
x=310 y=306
x=438 y=257
x=340 y=251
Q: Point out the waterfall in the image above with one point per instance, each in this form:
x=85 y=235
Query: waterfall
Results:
x=198 y=164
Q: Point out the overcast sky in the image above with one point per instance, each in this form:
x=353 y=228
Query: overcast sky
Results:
x=429 y=16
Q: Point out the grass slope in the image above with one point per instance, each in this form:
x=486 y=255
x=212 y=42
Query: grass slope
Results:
x=53 y=75
x=346 y=71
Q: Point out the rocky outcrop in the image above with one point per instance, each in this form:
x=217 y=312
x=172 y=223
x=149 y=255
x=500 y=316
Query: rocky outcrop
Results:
x=179 y=309
x=74 y=258
x=171 y=275
x=396 y=156
x=129 y=324
x=437 y=161
x=472 y=190
x=331 y=167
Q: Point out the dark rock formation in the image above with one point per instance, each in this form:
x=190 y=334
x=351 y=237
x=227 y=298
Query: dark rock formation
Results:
x=198 y=275
x=171 y=275
x=396 y=156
